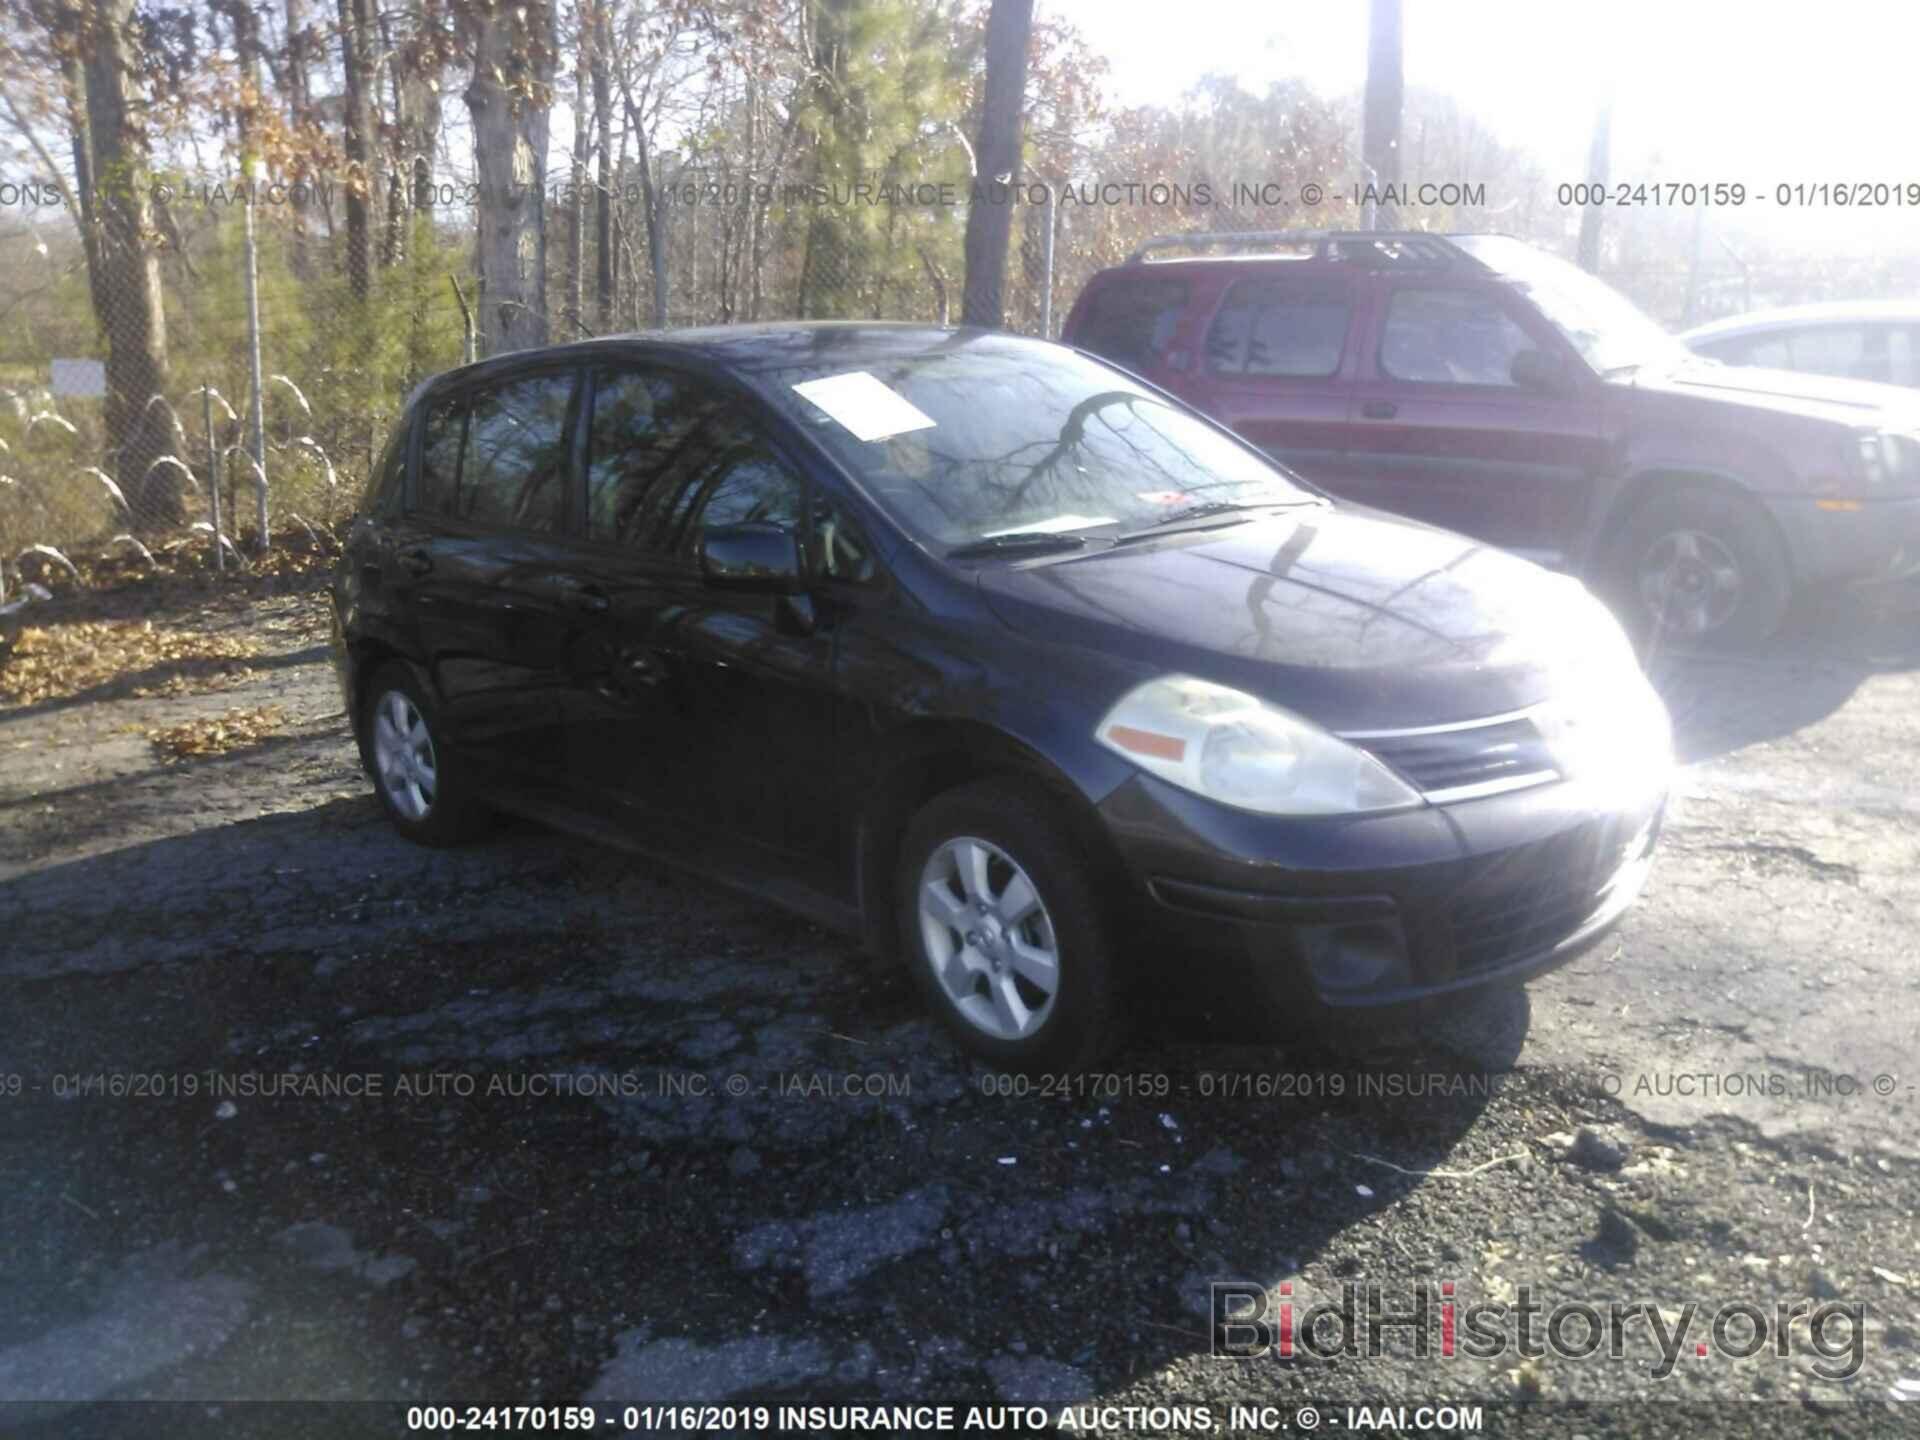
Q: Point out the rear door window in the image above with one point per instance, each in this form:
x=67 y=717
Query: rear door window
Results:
x=1450 y=337
x=1291 y=327
x=1132 y=320
x=514 y=471
x=499 y=456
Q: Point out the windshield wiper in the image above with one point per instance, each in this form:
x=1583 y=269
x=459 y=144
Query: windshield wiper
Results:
x=1033 y=542
x=1202 y=511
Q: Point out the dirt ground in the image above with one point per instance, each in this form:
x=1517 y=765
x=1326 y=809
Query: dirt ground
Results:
x=292 y=1110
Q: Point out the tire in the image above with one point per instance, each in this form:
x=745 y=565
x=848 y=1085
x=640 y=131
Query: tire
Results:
x=1701 y=568
x=423 y=788
x=1013 y=829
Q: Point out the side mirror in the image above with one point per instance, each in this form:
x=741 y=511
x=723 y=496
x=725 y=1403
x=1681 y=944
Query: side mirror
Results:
x=753 y=556
x=1540 y=370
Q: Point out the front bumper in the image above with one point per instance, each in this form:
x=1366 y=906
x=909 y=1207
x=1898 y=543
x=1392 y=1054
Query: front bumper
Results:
x=1267 y=924
x=1878 y=540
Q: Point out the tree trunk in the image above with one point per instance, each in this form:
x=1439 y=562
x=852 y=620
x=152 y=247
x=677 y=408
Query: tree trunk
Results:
x=649 y=206
x=607 y=256
x=393 y=249
x=73 y=84
x=356 y=55
x=577 y=185
x=130 y=272
x=990 y=211
x=1386 y=91
x=508 y=99
x=300 y=47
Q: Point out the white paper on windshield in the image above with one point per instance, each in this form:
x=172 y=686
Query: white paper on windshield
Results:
x=1051 y=524
x=865 y=405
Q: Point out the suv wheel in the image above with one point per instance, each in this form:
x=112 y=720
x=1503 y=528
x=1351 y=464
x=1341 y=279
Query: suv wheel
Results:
x=1003 y=931
x=421 y=787
x=1700 y=567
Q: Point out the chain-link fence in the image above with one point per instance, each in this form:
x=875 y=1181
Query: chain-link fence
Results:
x=202 y=403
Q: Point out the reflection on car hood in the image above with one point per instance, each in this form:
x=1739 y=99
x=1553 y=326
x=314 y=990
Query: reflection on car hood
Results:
x=1853 y=402
x=1355 y=619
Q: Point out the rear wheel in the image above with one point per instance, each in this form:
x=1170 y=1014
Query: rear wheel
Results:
x=1699 y=567
x=1003 y=929
x=422 y=788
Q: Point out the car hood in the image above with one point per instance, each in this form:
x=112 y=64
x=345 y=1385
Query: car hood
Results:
x=1850 y=402
x=1352 y=618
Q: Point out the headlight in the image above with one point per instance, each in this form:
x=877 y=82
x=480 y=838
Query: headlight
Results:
x=1241 y=751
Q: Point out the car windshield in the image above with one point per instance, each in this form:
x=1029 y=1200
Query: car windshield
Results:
x=993 y=441
x=1612 y=334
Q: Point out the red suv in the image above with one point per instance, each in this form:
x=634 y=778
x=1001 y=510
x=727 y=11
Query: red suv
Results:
x=1482 y=385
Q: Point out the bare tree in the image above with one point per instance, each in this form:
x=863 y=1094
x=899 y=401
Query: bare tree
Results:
x=990 y=213
x=509 y=99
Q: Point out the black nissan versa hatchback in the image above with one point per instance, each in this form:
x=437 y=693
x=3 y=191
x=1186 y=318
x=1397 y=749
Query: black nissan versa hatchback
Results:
x=1008 y=663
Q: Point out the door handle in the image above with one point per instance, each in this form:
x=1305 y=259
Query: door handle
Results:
x=590 y=598
x=1379 y=409
x=417 y=561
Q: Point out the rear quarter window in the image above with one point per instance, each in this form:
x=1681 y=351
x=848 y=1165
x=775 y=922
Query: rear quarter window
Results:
x=386 y=484
x=1131 y=319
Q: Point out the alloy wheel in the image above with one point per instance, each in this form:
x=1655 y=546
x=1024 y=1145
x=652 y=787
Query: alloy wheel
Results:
x=988 y=938
x=1690 y=582
x=403 y=755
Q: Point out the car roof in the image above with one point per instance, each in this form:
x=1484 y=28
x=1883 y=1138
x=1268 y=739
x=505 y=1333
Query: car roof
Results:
x=750 y=348
x=1792 y=317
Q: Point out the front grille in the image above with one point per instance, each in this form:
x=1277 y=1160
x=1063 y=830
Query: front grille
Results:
x=1453 y=761
x=1531 y=898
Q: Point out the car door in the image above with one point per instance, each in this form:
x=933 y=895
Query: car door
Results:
x=1444 y=433
x=485 y=526
x=1271 y=369
x=709 y=711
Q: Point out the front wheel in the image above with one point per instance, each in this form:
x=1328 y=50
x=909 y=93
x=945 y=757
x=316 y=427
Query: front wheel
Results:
x=1700 y=567
x=1004 y=932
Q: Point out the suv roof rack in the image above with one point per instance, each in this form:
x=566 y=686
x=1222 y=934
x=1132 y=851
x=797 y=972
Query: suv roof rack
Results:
x=1419 y=247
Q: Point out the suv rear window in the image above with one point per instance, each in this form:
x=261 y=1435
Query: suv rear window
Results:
x=1131 y=320
x=1295 y=327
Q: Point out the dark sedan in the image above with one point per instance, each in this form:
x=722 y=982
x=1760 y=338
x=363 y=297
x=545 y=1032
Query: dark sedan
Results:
x=1010 y=664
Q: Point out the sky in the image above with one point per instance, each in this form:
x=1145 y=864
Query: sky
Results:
x=1702 y=90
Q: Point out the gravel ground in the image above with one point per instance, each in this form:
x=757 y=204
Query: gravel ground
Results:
x=554 y=1125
